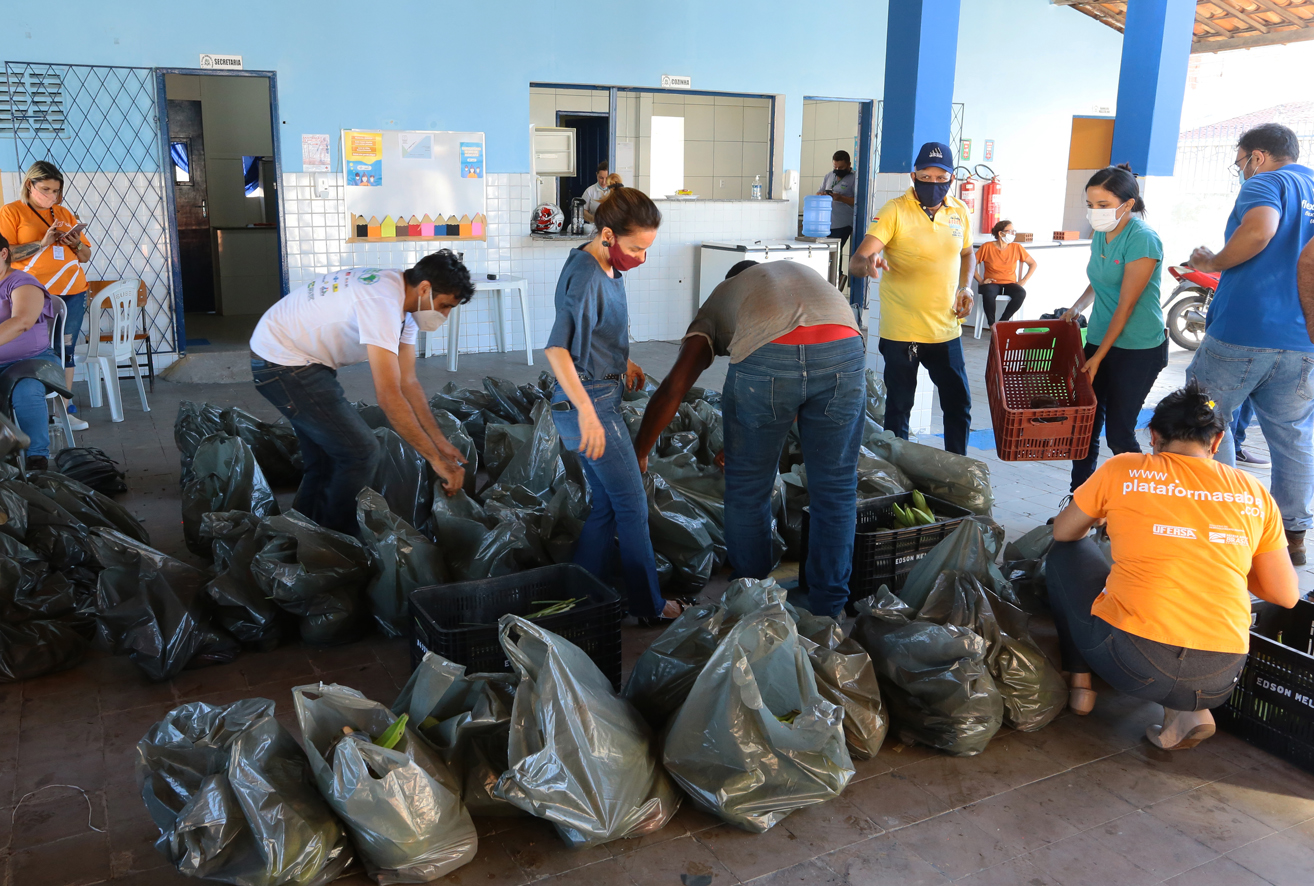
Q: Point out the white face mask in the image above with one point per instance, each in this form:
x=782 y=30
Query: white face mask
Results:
x=430 y=320
x=1008 y=238
x=1104 y=220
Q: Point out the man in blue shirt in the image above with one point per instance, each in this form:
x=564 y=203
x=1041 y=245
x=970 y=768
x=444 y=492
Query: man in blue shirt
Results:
x=1255 y=341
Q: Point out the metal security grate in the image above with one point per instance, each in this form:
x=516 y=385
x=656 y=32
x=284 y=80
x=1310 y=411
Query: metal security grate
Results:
x=957 y=113
x=101 y=126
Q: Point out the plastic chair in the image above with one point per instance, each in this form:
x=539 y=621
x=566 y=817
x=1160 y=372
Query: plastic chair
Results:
x=54 y=402
x=980 y=311
x=105 y=357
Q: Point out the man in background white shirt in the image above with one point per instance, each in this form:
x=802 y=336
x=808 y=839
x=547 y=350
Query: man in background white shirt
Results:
x=342 y=318
x=594 y=193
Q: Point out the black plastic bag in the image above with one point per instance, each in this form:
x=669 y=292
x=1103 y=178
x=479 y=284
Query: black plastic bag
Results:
x=963 y=550
x=373 y=415
x=501 y=443
x=316 y=574
x=153 y=608
x=846 y=677
x=93 y=468
x=42 y=629
x=88 y=505
x=456 y=434
x=404 y=559
x=682 y=533
x=274 y=444
x=194 y=423
x=934 y=677
x=957 y=479
x=875 y=397
x=509 y=402
x=469 y=415
x=664 y=674
x=60 y=538
x=13 y=513
x=467 y=719
x=475 y=544
x=404 y=478
x=536 y=462
x=232 y=795
x=240 y=607
x=401 y=805
x=225 y=477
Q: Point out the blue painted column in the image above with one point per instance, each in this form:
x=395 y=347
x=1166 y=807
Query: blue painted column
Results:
x=1156 y=47
x=921 y=47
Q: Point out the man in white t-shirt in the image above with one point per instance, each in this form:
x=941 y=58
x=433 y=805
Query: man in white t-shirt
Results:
x=346 y=317
x=594 y=193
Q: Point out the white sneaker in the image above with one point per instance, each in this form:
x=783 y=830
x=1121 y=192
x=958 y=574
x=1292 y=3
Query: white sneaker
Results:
x=77 y=424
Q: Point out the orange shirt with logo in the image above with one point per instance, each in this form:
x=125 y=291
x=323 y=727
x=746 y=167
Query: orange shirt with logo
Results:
x=1183 y=531
x=1000 y=263
x=57 y=268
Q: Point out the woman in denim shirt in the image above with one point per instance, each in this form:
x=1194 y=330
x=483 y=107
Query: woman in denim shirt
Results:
x=589 y=352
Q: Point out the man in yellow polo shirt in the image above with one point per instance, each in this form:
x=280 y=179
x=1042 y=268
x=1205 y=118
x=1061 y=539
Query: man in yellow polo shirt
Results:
x=923 y=242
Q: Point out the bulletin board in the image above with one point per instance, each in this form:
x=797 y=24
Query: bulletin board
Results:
x=405 y=185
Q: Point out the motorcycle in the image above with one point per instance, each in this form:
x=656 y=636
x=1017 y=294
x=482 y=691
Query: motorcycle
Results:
x=1186 y=308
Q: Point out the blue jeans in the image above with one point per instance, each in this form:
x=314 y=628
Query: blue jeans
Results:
x=620 y=505
x=823 y=387
x=338 y=448
x=1177 y=677
x=944 y=363
x=29 y=407
x=1245 y=413
x=77 y=312
x=1281 y=393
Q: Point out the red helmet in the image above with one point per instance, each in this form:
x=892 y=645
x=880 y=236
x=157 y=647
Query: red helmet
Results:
x=548 y=219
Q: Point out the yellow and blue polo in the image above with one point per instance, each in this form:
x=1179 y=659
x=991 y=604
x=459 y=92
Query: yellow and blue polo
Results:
x=917 y=292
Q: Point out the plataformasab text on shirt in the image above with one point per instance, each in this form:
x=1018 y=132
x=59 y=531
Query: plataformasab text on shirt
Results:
x=1173 y=489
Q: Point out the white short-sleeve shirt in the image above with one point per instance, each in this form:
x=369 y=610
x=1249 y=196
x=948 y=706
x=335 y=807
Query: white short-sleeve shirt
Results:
x=331 y=319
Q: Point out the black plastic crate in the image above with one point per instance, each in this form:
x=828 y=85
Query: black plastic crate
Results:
x=883 y=555
x=1272 y=706
x=459 y=621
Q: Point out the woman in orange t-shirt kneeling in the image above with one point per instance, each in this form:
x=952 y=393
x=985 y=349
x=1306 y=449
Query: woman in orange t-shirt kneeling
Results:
x=1169 y=622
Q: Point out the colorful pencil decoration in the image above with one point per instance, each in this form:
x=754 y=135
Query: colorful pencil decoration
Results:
x=375 y=229
x=465 y=226
x=426 y=226
x=415 y=227
x=453 y=226
x=478 y=226
x=389 y=228
x=360 y=226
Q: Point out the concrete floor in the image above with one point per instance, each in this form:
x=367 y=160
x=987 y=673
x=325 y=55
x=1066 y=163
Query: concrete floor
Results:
x=1084 y=801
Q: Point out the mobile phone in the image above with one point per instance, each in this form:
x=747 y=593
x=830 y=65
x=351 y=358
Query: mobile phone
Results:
x=74 y=232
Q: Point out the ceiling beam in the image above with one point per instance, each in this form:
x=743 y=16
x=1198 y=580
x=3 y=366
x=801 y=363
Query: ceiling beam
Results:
x=1249 y=41
x=1209 y=24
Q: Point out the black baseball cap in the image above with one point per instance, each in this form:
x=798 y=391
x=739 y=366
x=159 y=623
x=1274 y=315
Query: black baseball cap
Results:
x=935 y=154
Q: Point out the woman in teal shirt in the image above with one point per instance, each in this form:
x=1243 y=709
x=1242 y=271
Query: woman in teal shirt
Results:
x=1126 y=345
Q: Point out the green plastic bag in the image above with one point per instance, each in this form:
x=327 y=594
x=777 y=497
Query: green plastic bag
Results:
x=846 y=676
x=404 y=559
x=224 y=477
x=755 y=739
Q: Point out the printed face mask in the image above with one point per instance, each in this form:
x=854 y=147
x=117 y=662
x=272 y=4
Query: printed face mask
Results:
x=430 y=320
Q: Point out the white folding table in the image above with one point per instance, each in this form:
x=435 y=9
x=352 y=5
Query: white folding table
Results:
x=500 y=286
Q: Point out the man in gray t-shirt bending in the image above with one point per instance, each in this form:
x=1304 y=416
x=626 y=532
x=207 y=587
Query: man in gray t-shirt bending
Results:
x=795 y=354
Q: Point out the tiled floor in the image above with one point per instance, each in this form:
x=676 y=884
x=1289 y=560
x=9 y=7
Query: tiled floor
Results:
x=1085 y=801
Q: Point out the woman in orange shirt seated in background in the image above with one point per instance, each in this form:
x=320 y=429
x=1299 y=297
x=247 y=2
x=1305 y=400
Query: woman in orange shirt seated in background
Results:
x=1192 y=538
x=996 y=271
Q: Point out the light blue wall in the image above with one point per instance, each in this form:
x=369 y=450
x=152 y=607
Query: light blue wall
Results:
x=1024 y=67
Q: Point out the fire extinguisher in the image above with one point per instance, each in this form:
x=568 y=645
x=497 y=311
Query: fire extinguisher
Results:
x=990 y=204
x=967 y=193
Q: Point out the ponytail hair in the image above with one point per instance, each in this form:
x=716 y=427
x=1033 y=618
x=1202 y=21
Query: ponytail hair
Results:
x=1119 y=181
x=614 y=181
x=626 y=210
x=1189 y=415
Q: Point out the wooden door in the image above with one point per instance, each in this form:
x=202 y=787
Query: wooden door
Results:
x=195 y=249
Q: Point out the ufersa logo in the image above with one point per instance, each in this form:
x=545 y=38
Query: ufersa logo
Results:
x=1174 y=531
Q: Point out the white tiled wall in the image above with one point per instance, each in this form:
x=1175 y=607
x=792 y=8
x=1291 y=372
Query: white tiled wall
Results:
x=828 y=126
x=661 y=292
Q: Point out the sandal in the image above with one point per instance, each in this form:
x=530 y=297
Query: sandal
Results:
x=1081 y=698
x=660 y=621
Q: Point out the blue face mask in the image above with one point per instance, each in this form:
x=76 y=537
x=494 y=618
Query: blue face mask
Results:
x=931 y=193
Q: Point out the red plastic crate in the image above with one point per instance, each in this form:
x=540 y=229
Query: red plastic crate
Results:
x=1028 y=361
